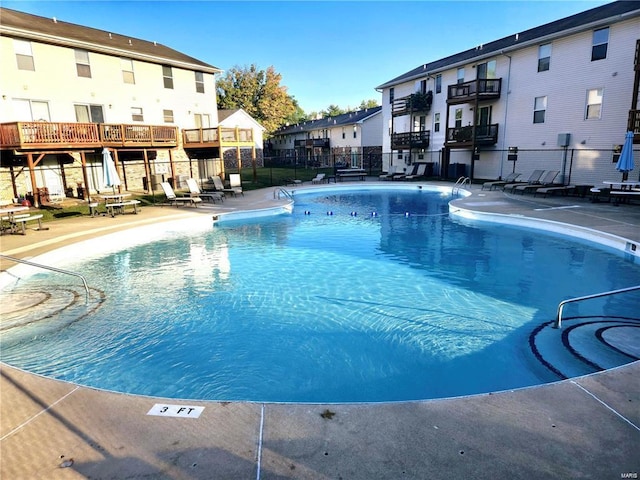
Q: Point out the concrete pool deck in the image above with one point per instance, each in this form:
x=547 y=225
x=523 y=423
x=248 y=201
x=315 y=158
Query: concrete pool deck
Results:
x=587 y=427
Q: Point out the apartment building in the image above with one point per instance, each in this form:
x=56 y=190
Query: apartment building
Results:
x=68 y=91
x=560 y=96
x=353 y=138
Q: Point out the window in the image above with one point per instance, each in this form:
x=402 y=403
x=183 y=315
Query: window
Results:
x=436 y=122
x=343 y=134
x=600 y=43
x=458 y=118
x=423 y=86
x=168 y=116
x=461 y=75
x=486 y=70
x=136 y=114
x=438 y=83
x=24 y=56
x=89 y=113
x=544 y=57
x=127 y=71
x=400 y=155
x=31 y=110
x=167 y=76
x=202 y=120
x=594 y=103
x=82 y=63
x=539 y=109
x=355 y=132
x=199 y=82
x=391 y=94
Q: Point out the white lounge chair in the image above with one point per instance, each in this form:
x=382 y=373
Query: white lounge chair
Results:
x=195 y=191
x=219 y=186
x=235 y=182
x=319 y=178
x=175 y=200
x=419 y=173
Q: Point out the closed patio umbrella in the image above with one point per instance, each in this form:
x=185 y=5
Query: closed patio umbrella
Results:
x=625 y=162
x=109 y=173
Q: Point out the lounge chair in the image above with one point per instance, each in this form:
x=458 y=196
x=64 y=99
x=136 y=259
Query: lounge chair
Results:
x=512 y=177
x=172 y=198
x=410 y=171
x=319 y=178
x=195 y=192
x=393 y=170
x=235 y=182
x=419 y=172
x=219 y=186
x=534 y=179
x=546 y=181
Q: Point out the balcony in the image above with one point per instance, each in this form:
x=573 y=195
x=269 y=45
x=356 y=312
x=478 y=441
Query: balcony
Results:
x=217 y=137
x=414 y=103
x=51 y=135
x=463 y=136
x=633 y=125
x=409 y=140
x=313 y=143
x=479 y=89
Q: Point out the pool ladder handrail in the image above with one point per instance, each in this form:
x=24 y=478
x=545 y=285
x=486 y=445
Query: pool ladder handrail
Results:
x=558 y=322
x=285 y=192
x=53 y=269
x=460 y=183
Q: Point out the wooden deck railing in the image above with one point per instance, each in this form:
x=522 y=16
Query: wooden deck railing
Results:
x=481 y=88
x=38 y=135
x=216 y=137
x=418 y=139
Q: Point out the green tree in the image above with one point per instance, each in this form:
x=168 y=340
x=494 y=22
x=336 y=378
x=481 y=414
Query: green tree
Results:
x=371 y=103
x=332 y=111
x=259 y=93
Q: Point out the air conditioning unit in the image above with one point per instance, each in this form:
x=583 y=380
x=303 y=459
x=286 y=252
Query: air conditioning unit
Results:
x=564 y=139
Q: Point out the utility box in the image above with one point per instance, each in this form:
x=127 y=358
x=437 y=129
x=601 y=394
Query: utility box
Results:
x=564 y=139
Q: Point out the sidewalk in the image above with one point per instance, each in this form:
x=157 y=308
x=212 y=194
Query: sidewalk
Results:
x=582 y=428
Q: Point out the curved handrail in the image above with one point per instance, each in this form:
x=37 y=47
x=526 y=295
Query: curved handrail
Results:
x=558 y=323
x=53 y=269
x=461 y=182
x=279 y=190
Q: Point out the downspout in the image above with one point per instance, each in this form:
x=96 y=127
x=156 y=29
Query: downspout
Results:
x=506 y=109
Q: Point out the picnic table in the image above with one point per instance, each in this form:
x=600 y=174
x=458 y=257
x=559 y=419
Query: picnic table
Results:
x=12 y=223
x=116 y=203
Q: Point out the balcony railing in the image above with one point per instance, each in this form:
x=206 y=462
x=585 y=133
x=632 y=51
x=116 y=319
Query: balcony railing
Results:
x=481 y=89
x=313 y=142
x=410 y=140
x=463 y=136
x=414 y=103
x=39 y=135
x=217 y=137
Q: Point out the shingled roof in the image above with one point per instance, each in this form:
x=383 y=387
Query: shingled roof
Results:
x=52 y=31
x=348 y=118
x=575 y=23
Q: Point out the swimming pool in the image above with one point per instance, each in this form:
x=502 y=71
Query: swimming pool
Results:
x=359 y=296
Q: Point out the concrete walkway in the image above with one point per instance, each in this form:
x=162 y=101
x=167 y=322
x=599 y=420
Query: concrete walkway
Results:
x=581 y=428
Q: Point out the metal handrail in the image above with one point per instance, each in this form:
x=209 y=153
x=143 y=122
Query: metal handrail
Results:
x=279 y=190
x=461 y=182
x=558 y=323
x=53 y=269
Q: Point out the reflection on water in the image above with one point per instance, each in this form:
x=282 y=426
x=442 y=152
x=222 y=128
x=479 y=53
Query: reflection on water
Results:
x=385 y=299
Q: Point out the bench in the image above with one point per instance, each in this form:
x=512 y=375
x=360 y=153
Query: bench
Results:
x=624 y=195
x=22 y=220
x=361 y=175
x=121 y=207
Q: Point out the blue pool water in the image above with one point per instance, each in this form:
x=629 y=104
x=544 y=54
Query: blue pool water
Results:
x=359 y=296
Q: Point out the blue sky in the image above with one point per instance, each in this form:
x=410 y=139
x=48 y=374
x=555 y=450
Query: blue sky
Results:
x=328 y=52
